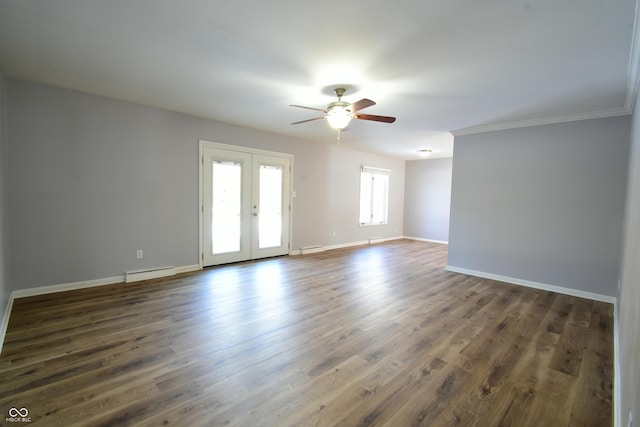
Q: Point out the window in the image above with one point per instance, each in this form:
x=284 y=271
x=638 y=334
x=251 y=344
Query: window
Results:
x=374 y=195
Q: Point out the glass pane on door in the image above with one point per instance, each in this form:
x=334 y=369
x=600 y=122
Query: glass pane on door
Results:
x=226 y=207
x=270 y=202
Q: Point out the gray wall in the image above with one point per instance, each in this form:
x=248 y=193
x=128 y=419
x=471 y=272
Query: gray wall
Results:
x=427 y=199
x=5 y=288
x=543 y=204
x=628 y=310
x=342 y=213
x=92 y=179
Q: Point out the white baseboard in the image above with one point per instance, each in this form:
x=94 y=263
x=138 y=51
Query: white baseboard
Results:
x=443 y=242
x=320 y=248
x=43 y=290
x=535 y=285
x=617 y=384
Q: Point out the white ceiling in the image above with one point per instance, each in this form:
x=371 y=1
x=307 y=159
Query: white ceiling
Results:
x=438 y=66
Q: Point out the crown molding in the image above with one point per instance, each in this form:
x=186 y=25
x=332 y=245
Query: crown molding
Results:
x=613 y=112
x=633 y=85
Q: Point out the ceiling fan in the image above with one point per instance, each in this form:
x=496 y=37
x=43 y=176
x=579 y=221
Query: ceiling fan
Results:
x=340 y=113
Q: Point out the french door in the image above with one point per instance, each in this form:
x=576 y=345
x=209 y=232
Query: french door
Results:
x=245 y=203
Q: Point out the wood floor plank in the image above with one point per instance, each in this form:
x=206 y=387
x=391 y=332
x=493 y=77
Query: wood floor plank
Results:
x=372 y=335
x=597 y=363
x=440 y=382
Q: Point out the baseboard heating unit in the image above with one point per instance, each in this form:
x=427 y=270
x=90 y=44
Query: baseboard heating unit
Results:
x=311 y=249
x=152 y=273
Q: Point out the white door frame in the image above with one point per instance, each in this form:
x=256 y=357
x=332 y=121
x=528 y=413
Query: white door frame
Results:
x=216 y=145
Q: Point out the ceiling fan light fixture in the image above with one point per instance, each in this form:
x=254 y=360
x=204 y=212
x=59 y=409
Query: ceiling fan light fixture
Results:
x=339 y=117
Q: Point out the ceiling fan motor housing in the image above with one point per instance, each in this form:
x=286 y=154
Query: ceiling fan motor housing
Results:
x=339 y=105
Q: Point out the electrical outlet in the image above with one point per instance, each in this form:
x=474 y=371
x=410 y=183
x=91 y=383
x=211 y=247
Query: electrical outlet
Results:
x=333 y=234
x=139 y=254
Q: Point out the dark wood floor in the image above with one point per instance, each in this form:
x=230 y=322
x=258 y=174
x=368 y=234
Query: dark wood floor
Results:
x=374 y=335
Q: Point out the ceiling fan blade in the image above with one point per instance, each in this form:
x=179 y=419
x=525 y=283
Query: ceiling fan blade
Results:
x=309 y=108
x=363 y=103
x=385 y=119
x=308 y=120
